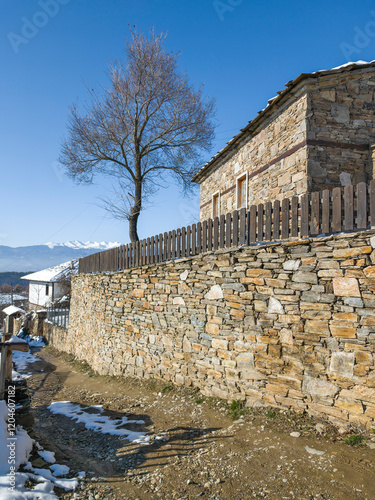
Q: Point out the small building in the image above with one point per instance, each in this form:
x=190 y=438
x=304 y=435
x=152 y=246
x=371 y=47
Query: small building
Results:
x=11 y=313
x=50 y=285
x=317 y=133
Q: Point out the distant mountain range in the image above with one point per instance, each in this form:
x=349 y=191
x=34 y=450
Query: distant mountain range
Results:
x=37 y=257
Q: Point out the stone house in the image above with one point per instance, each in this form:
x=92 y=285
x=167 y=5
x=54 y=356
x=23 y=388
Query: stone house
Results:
x=317 y=133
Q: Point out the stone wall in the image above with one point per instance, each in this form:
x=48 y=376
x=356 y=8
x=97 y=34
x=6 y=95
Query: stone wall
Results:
x=340 y=112
x=285 y=177
x=289 y=325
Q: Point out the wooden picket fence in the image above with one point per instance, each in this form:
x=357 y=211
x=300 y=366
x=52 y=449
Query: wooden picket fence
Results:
x=326 y=212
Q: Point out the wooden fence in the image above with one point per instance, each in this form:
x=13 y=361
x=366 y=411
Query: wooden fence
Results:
x=327 y=212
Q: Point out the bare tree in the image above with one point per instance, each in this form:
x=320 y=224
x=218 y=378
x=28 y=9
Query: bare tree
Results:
x=149 y=123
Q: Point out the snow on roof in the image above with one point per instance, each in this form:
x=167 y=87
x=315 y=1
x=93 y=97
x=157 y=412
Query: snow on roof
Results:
x=55 y=273
x=12 y=310
x=289 y=85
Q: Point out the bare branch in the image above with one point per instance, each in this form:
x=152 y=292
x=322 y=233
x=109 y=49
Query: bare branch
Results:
x=149 y=121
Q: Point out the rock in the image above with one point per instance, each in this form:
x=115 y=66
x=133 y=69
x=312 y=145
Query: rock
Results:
x=292 y=265
x=295 y=434
x=215 y=293
x=313 y=451
x=184 y=275
x=340 y=113
x=207 y=485
x=274 y=306
x=345 y=179
x=342 y=363
x=371 y=446
x=320 y=428
x=318 y=387
x=39 y=463
x=178 y=301
x=305 y=277
x=346 y=287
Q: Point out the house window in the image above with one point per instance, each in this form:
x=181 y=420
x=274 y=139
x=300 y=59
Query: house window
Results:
x=47 y=290
x=241 y=191
x=216 y=205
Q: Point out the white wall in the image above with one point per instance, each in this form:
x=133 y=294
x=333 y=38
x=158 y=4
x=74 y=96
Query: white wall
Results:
x=37 y=293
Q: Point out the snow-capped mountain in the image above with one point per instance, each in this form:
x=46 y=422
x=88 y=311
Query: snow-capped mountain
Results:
x=37 y=257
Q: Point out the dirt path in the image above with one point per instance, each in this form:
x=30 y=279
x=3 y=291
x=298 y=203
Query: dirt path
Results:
x=196 y=450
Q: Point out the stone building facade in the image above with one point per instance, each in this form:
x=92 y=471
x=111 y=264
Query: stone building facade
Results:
x=316 y=134
x=290 y=325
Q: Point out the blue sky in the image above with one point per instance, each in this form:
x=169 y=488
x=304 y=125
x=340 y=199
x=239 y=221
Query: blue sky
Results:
x=242 y=51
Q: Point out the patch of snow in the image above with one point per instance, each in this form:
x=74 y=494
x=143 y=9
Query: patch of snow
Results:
x=85 y=245
x=48 y=456
x=59 y=470
x=22 y=359
x=15 y=340
x=98 y=422
x=55 y=273
x=12 y=310
x=6 y=298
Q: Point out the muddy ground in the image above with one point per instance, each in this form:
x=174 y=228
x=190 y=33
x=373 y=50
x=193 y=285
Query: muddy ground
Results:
x=203 y=448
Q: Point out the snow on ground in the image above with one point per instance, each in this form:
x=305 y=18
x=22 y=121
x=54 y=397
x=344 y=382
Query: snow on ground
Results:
x=22 y=360
x=92 y=419
x=16 y=446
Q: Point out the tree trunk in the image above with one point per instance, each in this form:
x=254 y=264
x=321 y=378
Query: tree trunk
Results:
x=135 y=211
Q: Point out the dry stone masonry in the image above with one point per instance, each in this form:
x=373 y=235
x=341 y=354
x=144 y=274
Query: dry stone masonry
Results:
x=288 y=325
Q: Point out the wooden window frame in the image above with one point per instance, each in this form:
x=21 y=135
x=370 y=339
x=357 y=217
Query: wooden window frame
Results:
x=245 y=177
x=216 y=194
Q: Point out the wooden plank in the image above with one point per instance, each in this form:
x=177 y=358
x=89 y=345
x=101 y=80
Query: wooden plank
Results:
x=199 y=238
x=152 y=251
x=174 y=242
x=169 y=245
x=348 y=208
x=235 y=238
x=276 y=220
x=362 y=205
x=285 y=219
x=222 y=231
x=144 y=252
x=148 y=250
x=228 y=230
x=268 y=223
x=194 y=239
x=336 y=210
x=372 y=204
x=253 y=224
x=160 y=250
x=305 y=215
x=183 y=241
x=243 y=226
x=178 y=246
x=294 y=228
x=315 y=213
x=204 y=236
x=136 y=254
x=216 y=233
x=209 y=234
x=326 y=215
x=260 y=221
x=165 y=246
x=188 y=241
